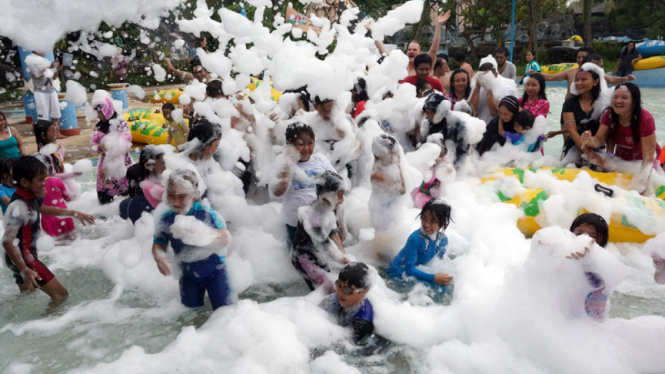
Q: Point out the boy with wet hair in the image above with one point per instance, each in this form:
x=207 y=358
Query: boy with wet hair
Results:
x=349 y=304
x=22 y=229
x=317 y=241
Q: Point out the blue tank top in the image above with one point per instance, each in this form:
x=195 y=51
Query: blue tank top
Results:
x=9 y=146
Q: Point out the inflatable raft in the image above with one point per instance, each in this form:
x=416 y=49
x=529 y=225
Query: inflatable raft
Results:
x=656 y=62
x=147 y=126
x=274 y=94
x=623 y=224
x=167 y=96
x=651 y=48
x=557 y=68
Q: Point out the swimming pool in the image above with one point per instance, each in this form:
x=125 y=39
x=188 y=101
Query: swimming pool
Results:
x=122 y=310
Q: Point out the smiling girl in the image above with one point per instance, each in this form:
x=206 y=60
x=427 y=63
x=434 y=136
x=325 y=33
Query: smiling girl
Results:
x=629 y=132
x=423 y=244
x=295 y=180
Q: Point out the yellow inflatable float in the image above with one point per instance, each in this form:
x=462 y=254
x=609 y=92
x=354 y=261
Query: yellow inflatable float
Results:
x=557 y=68
x=167 y=96
x=655 y=62
x=147 y=126
x=576 y=38
x=623 y=227
x=274 y=94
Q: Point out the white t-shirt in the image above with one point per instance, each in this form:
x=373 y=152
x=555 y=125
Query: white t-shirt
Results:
x=303 y=188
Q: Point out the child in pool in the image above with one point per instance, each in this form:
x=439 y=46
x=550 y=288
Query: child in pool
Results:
x=46 y=134
x=317 y=242
x=56 y=195
x=144 y=180
x=177 y=131
x=112 y=139
x=349 y=304
x=7 y=188
x=196 y=234
x=295 y=181
x=595 y=227
x=386 y=205
x=423 y=244
x=442 y=168
x=22 y=227
x=523 y=122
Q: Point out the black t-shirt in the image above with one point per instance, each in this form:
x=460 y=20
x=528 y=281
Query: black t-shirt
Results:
x=491 y=135
x=582 y=120
x=627 y=59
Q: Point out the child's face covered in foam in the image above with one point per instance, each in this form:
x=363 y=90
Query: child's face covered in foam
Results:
x=180 y=195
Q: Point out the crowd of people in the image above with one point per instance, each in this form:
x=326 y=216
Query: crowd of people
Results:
x=325 y=151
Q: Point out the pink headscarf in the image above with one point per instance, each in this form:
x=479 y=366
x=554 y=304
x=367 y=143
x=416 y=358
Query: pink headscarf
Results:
x=106 y=107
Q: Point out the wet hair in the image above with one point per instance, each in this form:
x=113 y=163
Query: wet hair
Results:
x=206 y=132
x=303 y=95
x=598 y=222
x=200 y=40
x=432 y=101
x=41 y=128
x=467 y=92
x=196 y=61
x=541 y=92
x=503 y=51
x=595 y=90
x=421 y=84
x=137 y=173
x=488 y=66
x=422 y=58
x=168 y=106
x=524 y=119
x=383 y=144
x=440 y=209
x=593 y=57
x=329 y=181
x=355 y=274
x=443 y=56
x=360 y=88
x=214 y=88
x=187 y=175
x=460 y=56
x=636 y=118
x=3 y=115
x=28 y=168
x=319 y=101
x=297 y=128
x=585 y=48
x=5 y=168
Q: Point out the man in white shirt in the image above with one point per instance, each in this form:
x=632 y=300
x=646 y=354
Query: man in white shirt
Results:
x=490 y=90
x=505 y=68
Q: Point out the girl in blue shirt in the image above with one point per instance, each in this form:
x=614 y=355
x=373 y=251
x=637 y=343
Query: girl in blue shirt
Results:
x=423 y=244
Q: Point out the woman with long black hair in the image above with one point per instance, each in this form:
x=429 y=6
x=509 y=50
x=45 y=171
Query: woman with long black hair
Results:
x=629 y=131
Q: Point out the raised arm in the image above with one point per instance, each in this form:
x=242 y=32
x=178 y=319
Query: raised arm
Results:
x=436 y=39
